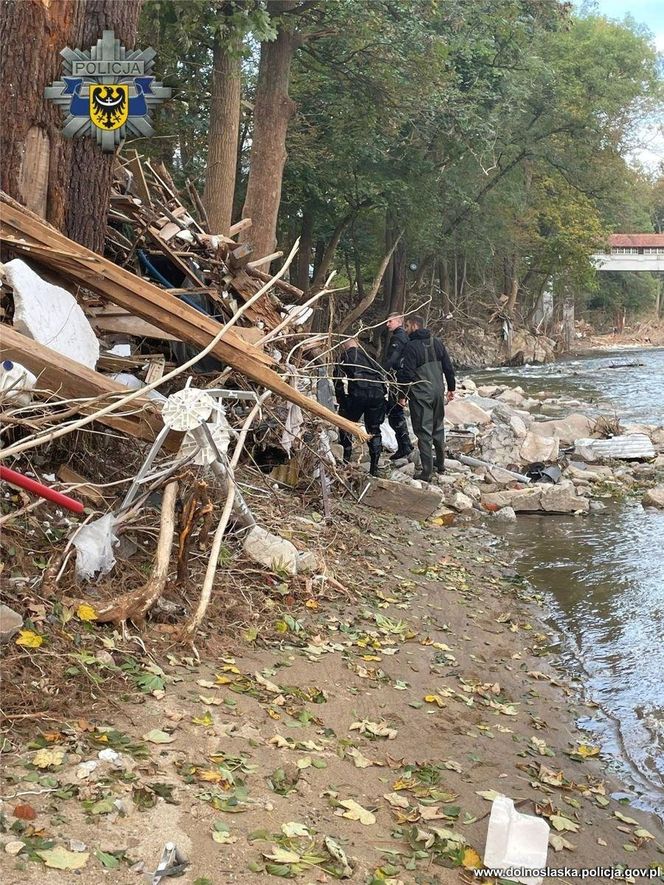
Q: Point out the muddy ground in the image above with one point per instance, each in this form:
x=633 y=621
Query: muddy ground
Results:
x=416 y=689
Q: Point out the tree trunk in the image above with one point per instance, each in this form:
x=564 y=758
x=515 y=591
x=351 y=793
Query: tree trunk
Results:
x=35 y=157
x=304 y=255
x=91 y=172
x=398 y=294
x=223 y=138
x=444 y=280
x=272 y=113
x=323 y=267
x=568 y=323
x=513 y=293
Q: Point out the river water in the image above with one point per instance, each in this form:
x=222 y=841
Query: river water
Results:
x=603 y=576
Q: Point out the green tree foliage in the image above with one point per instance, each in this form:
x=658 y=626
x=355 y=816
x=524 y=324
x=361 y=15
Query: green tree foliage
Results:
x=493 y=133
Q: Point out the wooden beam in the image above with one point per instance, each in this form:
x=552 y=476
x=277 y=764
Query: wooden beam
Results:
x=243 y=224
x=71 y=380
x=20 y=228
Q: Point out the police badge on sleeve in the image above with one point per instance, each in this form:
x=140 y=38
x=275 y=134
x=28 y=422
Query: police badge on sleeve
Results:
x=107 y=92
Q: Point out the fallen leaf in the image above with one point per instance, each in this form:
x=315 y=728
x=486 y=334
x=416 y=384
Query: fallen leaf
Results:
x=86 y=612
x=293 y=828
x=61 y=859
x=396 y=800
x=24 y=812
x=625 y=819
x=489 y=795
x=640 y=833
x=563 y=824
x=157 y=736
x=29 y=639
x=47 y=757
x=557 y=842
x=209 y=701
x=471 y=859
x=15 y=847
x=205 y=719
x=359 y=759
x=267 y=685
x=354 y=811
x=282 y=855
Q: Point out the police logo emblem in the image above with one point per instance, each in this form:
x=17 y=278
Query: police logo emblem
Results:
x=107 y=92
x=109 y=105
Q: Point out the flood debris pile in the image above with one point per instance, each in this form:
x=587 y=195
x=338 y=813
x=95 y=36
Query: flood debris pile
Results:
x=153 y=400
x=514 y=453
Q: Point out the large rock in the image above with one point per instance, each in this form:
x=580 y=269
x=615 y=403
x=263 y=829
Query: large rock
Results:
x=459 y=502
x=535 y=449
x=462 y=411
x=271 y=551
x=654 y=497
x=521 y=500
x=518 y=425
x=512 y=397
x=488 y=389
x=567 y=430
x=409 y=500
x=507 y=514
x=500 y=446
x=562 y=499
x=10 y=623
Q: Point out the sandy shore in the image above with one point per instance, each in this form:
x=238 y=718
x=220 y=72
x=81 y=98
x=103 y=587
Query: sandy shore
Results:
x=417 y=691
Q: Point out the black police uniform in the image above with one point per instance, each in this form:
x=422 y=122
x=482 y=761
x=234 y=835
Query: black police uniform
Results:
x=359 y=385
x=395 y=413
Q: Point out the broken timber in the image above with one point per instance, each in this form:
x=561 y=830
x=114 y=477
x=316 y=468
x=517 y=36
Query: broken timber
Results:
x=30 y=236
x=71 y=380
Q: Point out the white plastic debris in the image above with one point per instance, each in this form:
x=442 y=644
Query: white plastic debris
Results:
x=134 y=383
x=388 y=437
x=16 y=382
x=292 y=427
x=516 y=841
x=94 y=548
x=50 y=315
x=630 y=447
x=271 y=550
x=187 y=408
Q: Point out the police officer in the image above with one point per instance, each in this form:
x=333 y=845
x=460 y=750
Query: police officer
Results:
x=424 y=363
x=359 y=386
x=396 y=342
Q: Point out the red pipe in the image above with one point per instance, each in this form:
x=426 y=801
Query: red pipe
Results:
x=31 y=485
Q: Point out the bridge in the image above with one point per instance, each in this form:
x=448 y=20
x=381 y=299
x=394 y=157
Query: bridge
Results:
x=632 y=252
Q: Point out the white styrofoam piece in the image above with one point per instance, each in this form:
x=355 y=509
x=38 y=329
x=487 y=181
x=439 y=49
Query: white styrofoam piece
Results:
x=50 y=315
x=134 y=383
x=516 y=841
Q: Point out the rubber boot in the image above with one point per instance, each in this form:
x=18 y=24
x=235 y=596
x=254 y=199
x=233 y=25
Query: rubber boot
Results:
x=426 y=469
x=375 y=448
x=440 y=459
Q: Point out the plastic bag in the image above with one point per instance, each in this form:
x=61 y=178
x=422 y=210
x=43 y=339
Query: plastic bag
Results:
x=94 y=548
x=388 y=437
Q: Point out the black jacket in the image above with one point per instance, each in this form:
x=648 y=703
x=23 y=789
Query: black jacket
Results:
x=414 y=356
x=394 y=350
x=364 y=376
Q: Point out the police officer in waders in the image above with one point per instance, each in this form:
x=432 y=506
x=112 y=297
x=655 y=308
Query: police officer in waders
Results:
x=424 y=363
x=396 y=342
x=359 y=386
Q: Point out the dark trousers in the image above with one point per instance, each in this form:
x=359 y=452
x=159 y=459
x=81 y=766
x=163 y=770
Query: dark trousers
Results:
x=427 y=417
x=397 y=421
x=372 y=408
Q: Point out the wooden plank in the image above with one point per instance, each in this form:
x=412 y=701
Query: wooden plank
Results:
x=267 y=259
x=71 y=380
x=21 y=228
x=135 y=167
x=155 y=369
x=124 y=323
x=403 y=499
x=243 y=224
x=84 y=490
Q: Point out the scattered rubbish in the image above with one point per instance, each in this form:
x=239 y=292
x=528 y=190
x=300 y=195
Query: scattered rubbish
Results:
x=516 y=840
x=94 y=547
x=172 y=863
x=630 y=447
x=10 y=623
x=38 y=488
x=544 y=473
x=16 y=382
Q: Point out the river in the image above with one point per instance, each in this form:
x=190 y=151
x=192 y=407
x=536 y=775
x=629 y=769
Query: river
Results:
x=603 y=577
